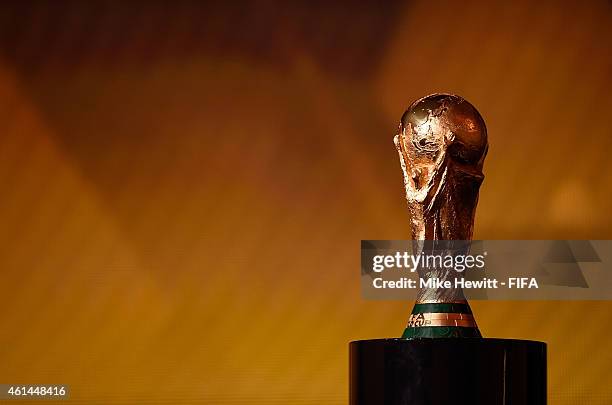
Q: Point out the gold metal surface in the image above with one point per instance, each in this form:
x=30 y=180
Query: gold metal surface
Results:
x=442 y=145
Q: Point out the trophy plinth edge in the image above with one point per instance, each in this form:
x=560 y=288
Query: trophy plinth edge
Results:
x=475 y=371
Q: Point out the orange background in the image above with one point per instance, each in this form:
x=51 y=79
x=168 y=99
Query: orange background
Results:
x=183 y=187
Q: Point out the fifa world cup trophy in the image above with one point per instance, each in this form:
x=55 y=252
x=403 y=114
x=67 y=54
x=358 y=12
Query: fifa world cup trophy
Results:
x=442 y=145
x=442 y=357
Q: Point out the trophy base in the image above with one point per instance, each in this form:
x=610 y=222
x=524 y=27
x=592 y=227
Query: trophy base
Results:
x=447 y=371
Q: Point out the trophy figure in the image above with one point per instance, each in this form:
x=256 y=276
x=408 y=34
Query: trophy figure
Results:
x=442 y=145
x=442 y=357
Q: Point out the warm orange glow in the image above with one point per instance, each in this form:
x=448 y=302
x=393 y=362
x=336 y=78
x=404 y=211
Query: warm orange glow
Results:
x=182 y=226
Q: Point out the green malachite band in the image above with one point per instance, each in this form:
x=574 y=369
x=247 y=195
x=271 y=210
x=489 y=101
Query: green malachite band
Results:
x=441 y=332
x=416 y=332
x=442 y=307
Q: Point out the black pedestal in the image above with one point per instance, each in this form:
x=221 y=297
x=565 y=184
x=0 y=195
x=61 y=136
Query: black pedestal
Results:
x=447 y=371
